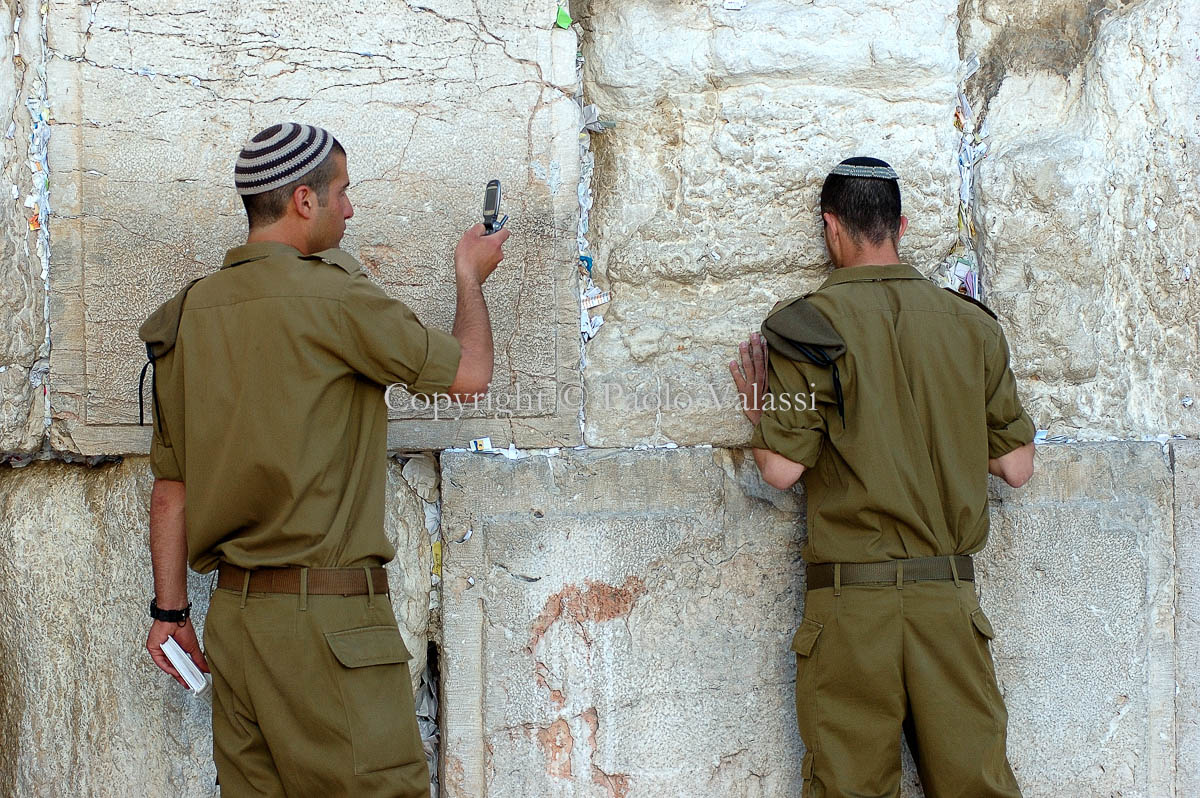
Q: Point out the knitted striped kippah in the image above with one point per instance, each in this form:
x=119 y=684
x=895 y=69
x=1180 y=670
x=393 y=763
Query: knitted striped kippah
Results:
x=865 y=167
x=279 y=155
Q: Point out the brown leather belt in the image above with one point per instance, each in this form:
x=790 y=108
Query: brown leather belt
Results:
x=891 y=572
x=321 y=581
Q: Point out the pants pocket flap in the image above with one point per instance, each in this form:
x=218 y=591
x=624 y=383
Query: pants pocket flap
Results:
x=983 y=624
x=370 y=645
x=806 y=637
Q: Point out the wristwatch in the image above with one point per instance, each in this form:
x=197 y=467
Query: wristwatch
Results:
x=170 y=616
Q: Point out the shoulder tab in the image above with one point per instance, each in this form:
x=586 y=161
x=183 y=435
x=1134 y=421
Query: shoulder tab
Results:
x=973 y=301
x=796 y=330
x=337 y=257
x=789 y=300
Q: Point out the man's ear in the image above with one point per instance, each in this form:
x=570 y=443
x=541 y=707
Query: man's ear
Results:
x=832 y=227
x=903 y=227
x=304 y=200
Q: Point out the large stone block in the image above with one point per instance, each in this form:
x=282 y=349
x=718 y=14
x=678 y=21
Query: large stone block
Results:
x=1088 y=202
x=706 y=190
x=83 y=710
x=1187 y=615
x=23 y=347
x=616 y=624
x=1079 y=581
x=430 y=102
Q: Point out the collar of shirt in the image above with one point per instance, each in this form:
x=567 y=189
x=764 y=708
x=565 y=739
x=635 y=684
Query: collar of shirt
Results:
x=257 y=251
x=872 y=273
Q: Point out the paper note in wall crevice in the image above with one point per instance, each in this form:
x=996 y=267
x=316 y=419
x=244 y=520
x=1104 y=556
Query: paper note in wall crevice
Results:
x=198 y=682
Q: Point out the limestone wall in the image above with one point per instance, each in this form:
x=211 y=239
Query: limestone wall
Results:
x=1187 y=616
x=1090 y=208
x=24 y=350
x=617 y=624
x=613 y=620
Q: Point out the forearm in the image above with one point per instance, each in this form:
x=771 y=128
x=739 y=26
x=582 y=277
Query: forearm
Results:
x=473 y=330
x=168 y=544
x=1015 y=468
x=777 y=471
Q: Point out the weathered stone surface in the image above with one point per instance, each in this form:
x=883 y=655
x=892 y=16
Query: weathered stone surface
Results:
x=1079 y=582
x=83 y=710
x=22 y=294
x=430 y=101
x=1187 y=615
x=706 y=190
x=1088 y=201
x=410 y=574
x=617 y=624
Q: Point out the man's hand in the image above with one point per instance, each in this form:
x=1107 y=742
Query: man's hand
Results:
x=477 y=255
x=751 y=376
x=185 y=636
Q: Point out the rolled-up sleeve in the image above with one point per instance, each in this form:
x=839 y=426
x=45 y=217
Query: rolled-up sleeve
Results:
x=164 y=461
x=385 y=342
x=792 y=424
x=1009 y=426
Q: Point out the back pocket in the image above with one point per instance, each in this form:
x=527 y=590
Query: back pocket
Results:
x=377 y=696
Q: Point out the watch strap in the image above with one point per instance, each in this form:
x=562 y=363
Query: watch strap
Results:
x=170 y=616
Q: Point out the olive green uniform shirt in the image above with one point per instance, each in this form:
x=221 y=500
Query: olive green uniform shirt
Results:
x=270 y=406
x=929 y=398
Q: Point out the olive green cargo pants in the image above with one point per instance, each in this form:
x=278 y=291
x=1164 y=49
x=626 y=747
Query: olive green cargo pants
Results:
x=311 y=697
x=875 y=661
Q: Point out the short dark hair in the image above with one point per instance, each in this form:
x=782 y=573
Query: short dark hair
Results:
x=868 y=207
x=267 y=207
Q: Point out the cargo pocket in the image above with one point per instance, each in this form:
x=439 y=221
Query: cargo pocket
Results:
x=804 y=643
x=982 y=624
x=375 y=669
x=806 y=637
x=812 y=787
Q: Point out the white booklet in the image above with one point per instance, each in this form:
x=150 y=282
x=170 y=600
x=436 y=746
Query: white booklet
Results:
x=198 y=681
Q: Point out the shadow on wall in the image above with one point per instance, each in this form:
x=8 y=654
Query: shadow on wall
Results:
x=1045 y=35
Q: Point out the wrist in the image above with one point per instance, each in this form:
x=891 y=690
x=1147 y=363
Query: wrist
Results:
x=466 y=273
x=172 y=614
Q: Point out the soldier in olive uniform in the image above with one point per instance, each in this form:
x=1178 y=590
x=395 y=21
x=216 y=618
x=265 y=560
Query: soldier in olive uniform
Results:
x=269 y=449
x=915 y=404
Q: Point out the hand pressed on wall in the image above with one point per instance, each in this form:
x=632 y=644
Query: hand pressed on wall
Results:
x=750 y=376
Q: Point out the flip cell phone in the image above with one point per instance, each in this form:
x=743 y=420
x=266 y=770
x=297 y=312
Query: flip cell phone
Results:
x=491 y=208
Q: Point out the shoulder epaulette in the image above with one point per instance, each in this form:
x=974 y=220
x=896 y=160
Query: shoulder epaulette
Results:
x=973 y=301
x=340 y=258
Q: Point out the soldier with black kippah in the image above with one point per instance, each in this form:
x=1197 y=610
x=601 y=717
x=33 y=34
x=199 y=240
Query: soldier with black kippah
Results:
x=912 y=404
x=269 y=456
